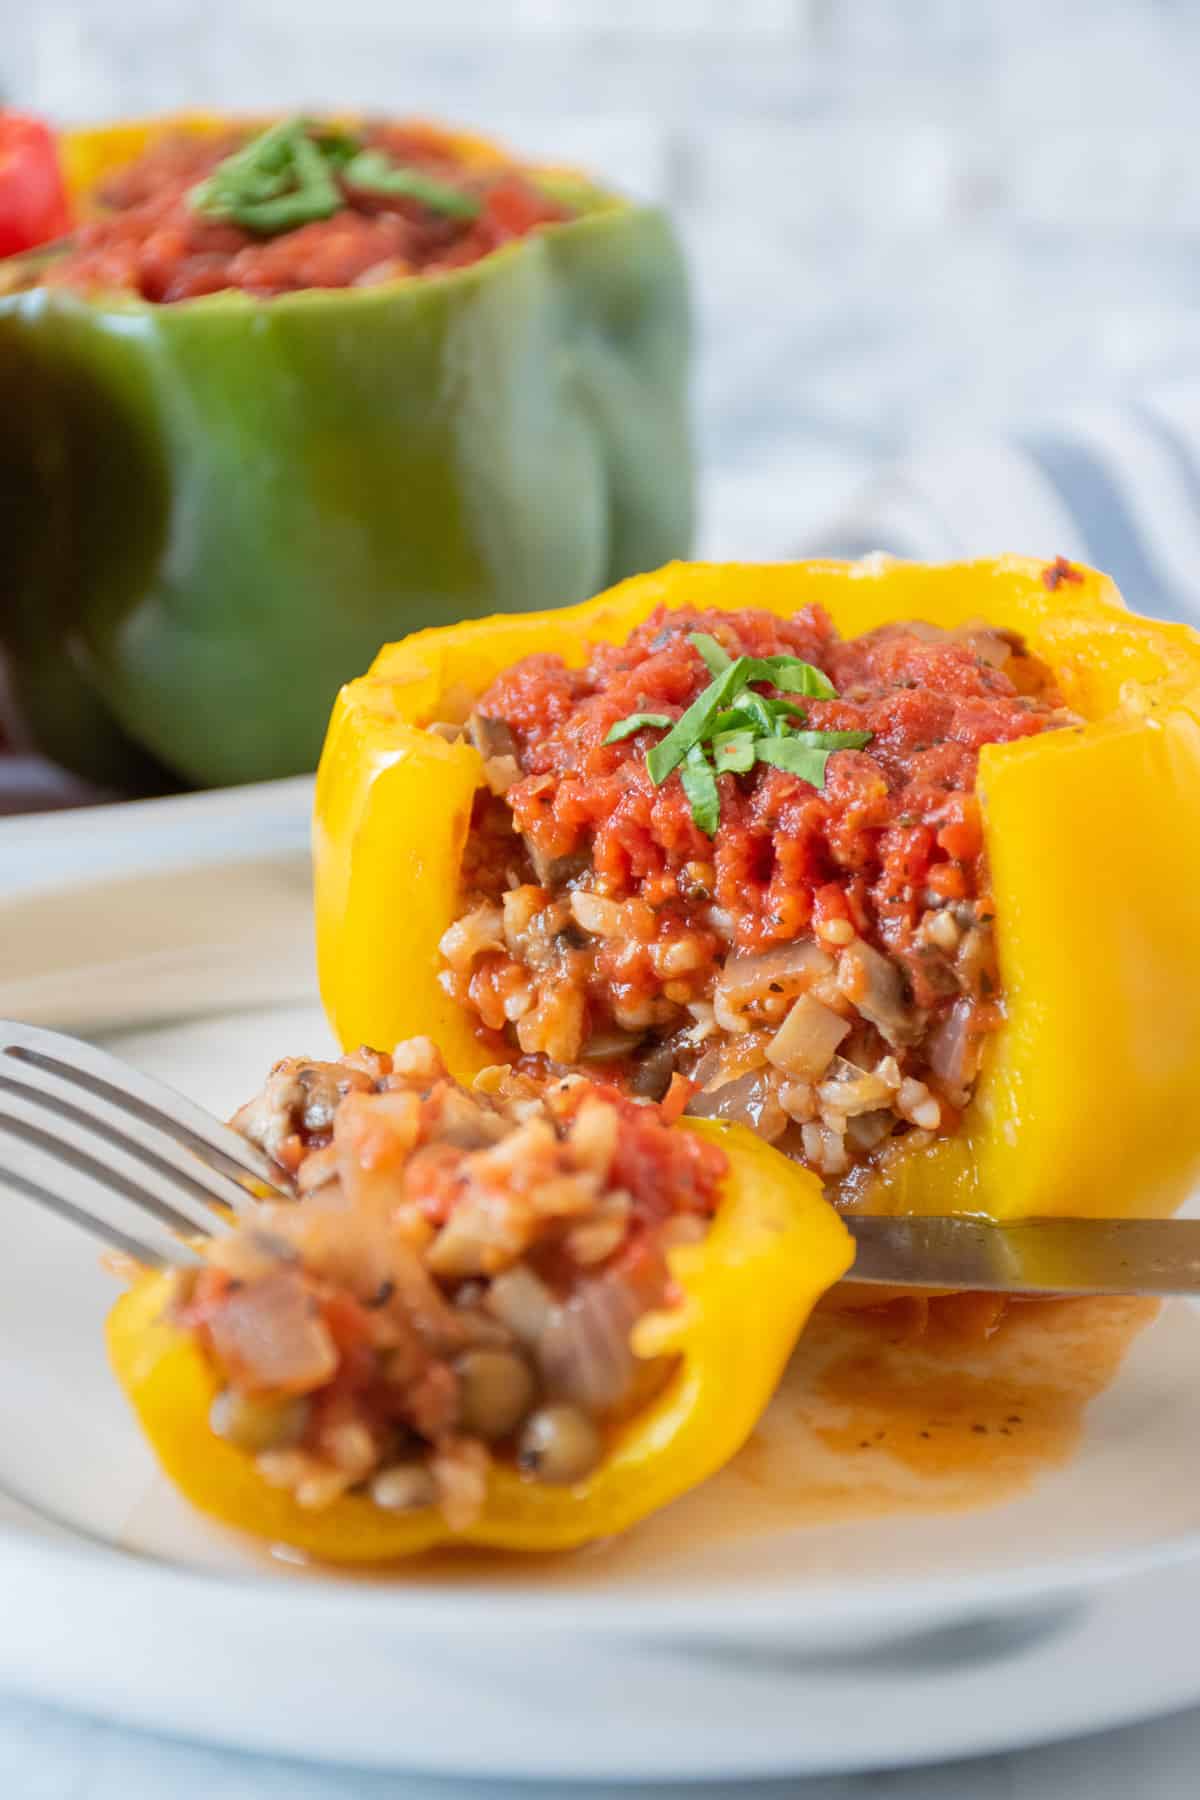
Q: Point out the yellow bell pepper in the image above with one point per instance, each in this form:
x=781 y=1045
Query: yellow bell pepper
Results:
x=747 y=1289
x=1087 y=1098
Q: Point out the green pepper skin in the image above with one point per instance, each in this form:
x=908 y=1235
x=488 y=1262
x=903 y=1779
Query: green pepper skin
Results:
x=215 y=511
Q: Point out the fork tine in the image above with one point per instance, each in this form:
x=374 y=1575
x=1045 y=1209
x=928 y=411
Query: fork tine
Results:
x=44 y=1169
x=111 y=1235
x=162 y=1156
x=54 y=1153
x=89 y=1072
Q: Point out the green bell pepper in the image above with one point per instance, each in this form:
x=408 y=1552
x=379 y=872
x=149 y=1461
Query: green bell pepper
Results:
x=214 y=511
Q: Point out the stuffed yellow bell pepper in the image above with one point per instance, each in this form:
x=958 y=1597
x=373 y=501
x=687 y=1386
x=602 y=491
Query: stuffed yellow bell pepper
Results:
x=522 y=1315
x=897 y=864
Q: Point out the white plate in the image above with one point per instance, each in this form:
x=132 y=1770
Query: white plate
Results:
x=690 y=1651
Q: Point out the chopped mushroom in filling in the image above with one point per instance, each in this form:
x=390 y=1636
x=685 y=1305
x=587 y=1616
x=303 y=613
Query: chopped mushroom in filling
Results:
x=815 y=960
x=456 y=1283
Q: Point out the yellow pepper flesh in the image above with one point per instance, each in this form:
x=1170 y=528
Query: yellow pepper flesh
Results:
x=747 y=1289
x=91 y=153
x=1086 y=1102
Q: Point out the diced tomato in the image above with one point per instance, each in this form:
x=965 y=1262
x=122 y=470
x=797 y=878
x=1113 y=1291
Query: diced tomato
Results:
x=349 y=1323
x=514 y=207
x=33 y=197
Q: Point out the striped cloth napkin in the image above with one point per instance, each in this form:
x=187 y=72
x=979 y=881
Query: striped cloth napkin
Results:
x=1118 y=488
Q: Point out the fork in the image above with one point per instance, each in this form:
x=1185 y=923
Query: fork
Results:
x=73 y=1117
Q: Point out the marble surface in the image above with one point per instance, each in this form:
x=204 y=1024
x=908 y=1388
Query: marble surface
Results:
x=905 y=217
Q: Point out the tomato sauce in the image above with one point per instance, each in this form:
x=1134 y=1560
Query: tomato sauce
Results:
x=895 y=819
x=149 y=240
x=668 y=931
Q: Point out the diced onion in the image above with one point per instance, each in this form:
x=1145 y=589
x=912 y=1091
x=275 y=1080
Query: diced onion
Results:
x=804 y=1045
x=789 y=970
x=954 y=1050
x=585 y=1352
x=853 y=1090
x=271 y=1336
x=751 y=1099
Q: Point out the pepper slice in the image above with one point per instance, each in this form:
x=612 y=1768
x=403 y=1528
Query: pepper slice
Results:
x=1085 y=1103
x=773 y=1248
x=216 y=510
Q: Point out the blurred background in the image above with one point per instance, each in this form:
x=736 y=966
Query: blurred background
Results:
x=910 y=221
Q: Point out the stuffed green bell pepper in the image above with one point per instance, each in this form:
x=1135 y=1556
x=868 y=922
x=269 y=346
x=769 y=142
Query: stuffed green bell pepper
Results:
x=290 y=390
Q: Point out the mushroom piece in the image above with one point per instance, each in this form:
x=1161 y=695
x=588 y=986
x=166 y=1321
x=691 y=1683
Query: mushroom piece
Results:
x=491 y=737
x=875 y=986
x=652 y=1072
x=496 y=744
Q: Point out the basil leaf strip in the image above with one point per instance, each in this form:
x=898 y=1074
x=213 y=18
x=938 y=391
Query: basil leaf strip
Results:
x=338 y=147
x=792 y=676
x=830 y=740
x=732 y=719
x=803 y=760
x=733 y=752
x=754 y=729
x=279 y=180
x=637 y=722
x=805 y=753
x=715 y=657
x=287 y=176
x=697 y=721
x=761 y=712
x=371 y=172
x=700 y=786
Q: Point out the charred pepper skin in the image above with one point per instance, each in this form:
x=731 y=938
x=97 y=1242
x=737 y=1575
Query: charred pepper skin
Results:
x=216 y=510
x=1086 y=1100
x=746 y=1291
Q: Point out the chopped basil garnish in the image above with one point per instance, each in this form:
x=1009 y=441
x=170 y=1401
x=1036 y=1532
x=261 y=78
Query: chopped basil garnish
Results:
x=754 y=729
x=792 y=676
x=697 y=722
x=289 y=175
x=715 y=657
x=700 y=786
x=765 y=721
x=732 y=719
x=279 y=180
x=371 y=172
x=637 y=722
x=805 y=753
x=830 y=740
x=733 y=752
x=796 y=759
